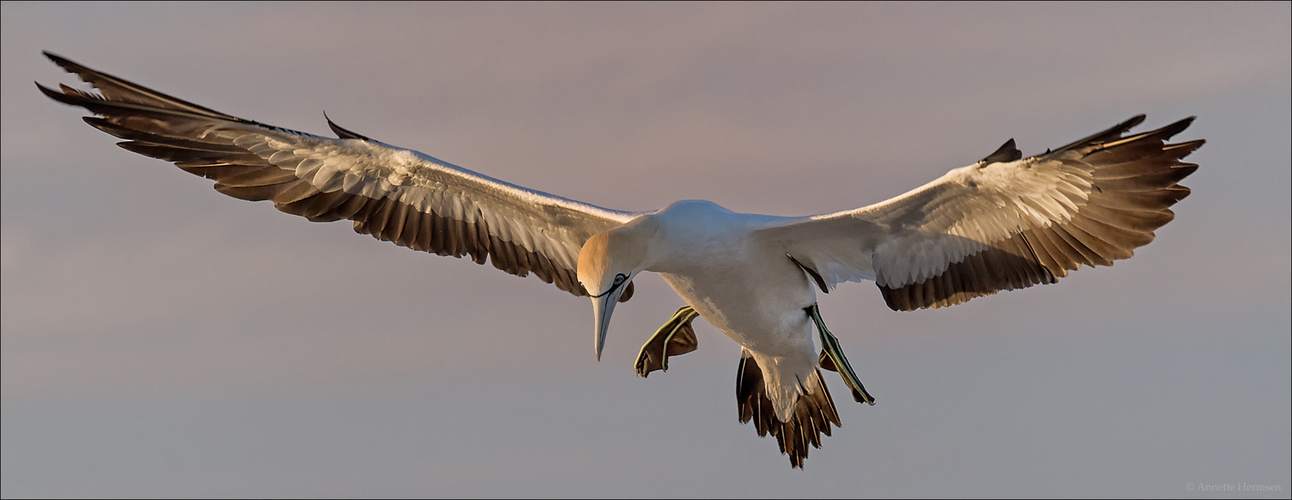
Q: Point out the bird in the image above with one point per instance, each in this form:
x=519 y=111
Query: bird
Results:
x=1004 y=222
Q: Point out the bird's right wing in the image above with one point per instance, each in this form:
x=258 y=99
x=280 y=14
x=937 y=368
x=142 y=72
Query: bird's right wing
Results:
x=394 y=194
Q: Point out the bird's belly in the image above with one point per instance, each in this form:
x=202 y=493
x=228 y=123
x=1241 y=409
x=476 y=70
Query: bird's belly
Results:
x=764 y=312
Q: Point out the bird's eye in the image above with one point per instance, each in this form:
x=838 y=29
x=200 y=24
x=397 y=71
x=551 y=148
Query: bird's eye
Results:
x=619 y=279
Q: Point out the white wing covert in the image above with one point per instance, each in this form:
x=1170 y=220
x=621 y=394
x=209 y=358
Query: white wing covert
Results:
x=1003 y=223
x=394 y=194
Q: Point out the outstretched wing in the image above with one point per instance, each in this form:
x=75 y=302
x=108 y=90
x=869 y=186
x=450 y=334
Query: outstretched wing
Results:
x=1004 y=222
x=394 y=194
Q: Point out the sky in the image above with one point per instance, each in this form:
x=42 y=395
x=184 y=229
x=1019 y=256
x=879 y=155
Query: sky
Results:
x=162 y=340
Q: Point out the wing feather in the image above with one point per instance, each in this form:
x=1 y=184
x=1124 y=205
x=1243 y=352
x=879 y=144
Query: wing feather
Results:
x=1004 y=222
x=393 y=194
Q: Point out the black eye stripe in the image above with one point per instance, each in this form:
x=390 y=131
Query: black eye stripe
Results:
x=619 y=280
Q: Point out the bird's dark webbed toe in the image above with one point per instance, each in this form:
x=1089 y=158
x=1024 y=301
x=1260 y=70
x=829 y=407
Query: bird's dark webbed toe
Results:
x=833 y=359
x=675 y=338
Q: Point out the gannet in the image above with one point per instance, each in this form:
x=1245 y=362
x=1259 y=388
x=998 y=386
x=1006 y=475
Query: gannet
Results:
x=1002 y=223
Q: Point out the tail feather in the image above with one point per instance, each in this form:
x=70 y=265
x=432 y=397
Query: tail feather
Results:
x=813 y=412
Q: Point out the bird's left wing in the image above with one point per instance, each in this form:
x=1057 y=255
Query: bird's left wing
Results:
x=394 y=194
x=1002 y=223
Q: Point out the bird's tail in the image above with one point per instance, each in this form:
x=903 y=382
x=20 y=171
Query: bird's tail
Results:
x=813 y=409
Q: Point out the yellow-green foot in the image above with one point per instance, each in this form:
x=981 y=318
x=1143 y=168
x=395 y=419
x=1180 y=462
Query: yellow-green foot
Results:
x=832 y=359
x=674 y=338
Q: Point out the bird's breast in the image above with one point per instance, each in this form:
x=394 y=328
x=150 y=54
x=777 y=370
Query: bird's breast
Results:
x=758 y=303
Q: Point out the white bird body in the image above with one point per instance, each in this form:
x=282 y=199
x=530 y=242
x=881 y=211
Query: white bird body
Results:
x=711 y=258
x=750 y=291
x=1002 y=223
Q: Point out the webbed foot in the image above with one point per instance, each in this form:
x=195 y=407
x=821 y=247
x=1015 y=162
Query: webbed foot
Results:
x=832 y=359
x=675 y=338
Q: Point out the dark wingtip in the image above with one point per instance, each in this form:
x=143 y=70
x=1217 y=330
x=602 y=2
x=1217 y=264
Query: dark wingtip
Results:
x=63 y=62
x=1112 y=134
x=68 y=95
x=57 y=96
x=46 y=90
x=342 y=132
x=1007 y=152
x=1177 y=127
x=59 y=60
x=1130 y=123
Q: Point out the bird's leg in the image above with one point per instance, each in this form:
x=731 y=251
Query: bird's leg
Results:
x=832 y=358
x=676 y=337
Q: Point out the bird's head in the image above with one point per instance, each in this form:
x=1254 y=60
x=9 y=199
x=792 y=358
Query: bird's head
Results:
x=607 y=264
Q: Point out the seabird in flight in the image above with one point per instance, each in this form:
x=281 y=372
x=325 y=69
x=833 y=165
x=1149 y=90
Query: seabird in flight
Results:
x=1002 y=223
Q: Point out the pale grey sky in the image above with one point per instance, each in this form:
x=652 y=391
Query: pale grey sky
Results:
x=160 y=339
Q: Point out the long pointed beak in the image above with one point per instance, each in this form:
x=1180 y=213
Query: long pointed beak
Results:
x=602 y=307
